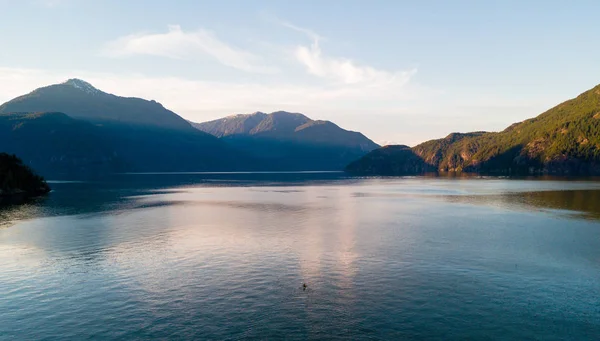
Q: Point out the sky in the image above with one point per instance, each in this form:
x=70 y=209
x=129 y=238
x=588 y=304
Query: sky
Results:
x=400 y=72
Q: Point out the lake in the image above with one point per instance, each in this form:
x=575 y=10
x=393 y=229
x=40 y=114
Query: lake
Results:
x=225 y=257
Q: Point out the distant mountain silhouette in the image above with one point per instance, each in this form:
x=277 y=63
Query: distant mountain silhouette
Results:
x=81 y=100
x=564 y=140
x=73 y=129
x=290 y=141
x=87 y=131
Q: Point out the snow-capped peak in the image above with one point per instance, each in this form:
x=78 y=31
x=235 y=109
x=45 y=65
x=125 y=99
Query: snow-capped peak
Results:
x=82 y=85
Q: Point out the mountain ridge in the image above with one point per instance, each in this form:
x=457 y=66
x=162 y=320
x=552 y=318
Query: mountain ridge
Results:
x=290 y=141
x=275 y=124
x=79 y=99
x=564 y=140
x=122 y=134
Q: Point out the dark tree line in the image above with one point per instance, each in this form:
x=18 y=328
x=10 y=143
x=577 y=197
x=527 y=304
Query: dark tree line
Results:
x=17 y=178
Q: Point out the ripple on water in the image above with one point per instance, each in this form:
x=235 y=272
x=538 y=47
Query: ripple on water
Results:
x=382 y=259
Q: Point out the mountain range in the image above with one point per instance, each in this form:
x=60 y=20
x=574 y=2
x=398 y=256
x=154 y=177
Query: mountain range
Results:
x=564 y=140
x=73 y=128
x=290 y=141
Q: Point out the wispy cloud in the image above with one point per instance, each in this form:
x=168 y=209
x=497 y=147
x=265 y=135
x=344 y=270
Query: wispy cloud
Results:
x=182 y=94
x=218 y=98
x=179 y=44
x=313 y=35
x=342 y=70
x=412 y=115
x=345 y=91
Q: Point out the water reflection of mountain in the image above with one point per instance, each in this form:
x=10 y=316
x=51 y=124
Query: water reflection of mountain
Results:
x=115 y=193
x=585 y=202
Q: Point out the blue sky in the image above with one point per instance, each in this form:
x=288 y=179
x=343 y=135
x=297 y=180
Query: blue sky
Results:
x=398 y=71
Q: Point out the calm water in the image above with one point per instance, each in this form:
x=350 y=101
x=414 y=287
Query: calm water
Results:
x=224 y=256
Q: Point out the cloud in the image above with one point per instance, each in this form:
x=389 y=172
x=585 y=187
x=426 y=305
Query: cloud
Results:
x=343 y=70
x=346 y=92
x=179 y=44
x=410 y=116
x=311 y=34
x=200 y=100
x=181 y=94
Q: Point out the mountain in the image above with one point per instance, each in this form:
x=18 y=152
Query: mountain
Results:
x=390 y=160
x=54 y=143
x=564 y=140
x=232 y=125
x=17 y=181
x=290 y=141
x=74 y=128
x=79 y=99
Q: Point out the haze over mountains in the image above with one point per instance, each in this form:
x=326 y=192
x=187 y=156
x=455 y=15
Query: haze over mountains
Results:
x=74 y=128
x=564 y=140
x=290 y=140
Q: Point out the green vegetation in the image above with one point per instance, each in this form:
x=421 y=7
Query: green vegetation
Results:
x=390 y=160
x=19 y=181
x=564 y=140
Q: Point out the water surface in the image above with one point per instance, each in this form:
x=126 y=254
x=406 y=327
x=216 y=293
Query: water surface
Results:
x=224 y=256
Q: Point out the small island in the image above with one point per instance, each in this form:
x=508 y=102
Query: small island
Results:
x=18 y=182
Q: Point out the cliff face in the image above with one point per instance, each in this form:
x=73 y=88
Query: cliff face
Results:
x=564 y=140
